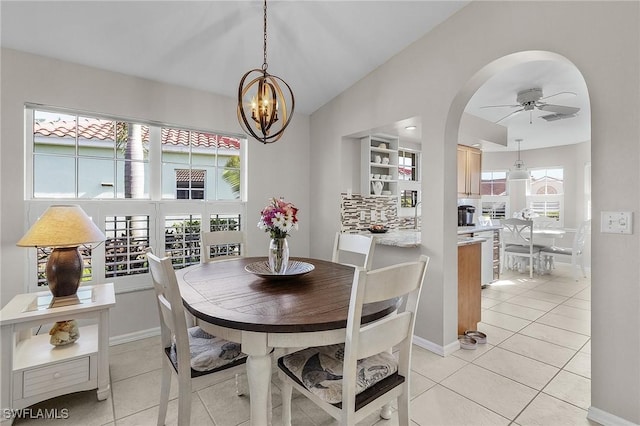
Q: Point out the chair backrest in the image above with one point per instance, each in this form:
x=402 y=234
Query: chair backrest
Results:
x=226 y=242
x=517 y=231
x=354 y=243
x=398 y=281
x=173 y=323
x=545 y=222
x=580 y=237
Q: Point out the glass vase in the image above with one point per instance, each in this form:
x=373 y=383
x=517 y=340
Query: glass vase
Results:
x=278 y=255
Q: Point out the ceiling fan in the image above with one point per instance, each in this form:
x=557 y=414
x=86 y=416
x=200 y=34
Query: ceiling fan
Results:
x=531 y=99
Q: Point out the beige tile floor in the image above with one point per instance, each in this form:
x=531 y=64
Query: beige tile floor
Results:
x=534 y=370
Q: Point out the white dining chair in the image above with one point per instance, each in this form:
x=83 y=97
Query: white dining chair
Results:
x=517 y=244
x=575 y=252
x=545 y=222
x=191 y=353
x=361 y=245
x=217 y=245
x=352 y=380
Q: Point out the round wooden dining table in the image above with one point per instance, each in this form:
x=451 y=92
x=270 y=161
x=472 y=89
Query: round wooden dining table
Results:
x=273 y=312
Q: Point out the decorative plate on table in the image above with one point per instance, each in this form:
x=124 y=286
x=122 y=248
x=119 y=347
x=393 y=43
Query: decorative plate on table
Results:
x=294 y=269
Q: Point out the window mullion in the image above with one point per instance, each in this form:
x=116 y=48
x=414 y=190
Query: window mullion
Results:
x=155 y=163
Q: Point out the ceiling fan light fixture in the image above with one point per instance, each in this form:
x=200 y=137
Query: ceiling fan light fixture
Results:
x=264 y=108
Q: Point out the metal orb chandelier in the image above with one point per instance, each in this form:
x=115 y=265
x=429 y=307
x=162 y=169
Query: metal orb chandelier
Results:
x=261 y=97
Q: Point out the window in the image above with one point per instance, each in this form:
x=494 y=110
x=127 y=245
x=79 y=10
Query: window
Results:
x=547 y=193
x=127 y=240
x=493 y=183
x=408 y=198
x=494 y=209
x=225 y=223
x=547 y=181
x=190 y=184
x=182 y=239
x=494 y=195
x=80 y=157
x=142 y=183
x=408 y=165
x=204 y=166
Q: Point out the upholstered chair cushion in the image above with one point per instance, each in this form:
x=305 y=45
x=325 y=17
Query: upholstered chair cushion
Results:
x=209 y=352
x=319 y=369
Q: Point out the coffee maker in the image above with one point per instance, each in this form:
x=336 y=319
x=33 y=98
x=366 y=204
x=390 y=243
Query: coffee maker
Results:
x=465 y=215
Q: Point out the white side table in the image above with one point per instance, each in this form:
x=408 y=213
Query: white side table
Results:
x=33 y=370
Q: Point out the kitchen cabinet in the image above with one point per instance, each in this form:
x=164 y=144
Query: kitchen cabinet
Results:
x=469 y=169
x=469 y=287
x=379 y=155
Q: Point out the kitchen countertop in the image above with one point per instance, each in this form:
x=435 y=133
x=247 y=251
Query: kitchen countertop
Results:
x=412 y=237
x=477 y=228
x=465 y=241
x=397 y=237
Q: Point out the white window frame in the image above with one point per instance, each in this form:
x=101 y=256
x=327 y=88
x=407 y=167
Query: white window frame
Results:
x=559 y=197
x=506 y=199
x=99 y=209
x=410 y=185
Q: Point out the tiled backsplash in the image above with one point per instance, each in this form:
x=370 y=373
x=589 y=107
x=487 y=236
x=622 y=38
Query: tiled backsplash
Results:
x=386 y=213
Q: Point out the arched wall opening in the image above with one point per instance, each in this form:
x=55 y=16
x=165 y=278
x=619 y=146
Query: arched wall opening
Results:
x=464 y=95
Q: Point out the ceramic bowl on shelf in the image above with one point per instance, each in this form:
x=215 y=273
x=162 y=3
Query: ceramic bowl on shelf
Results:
x=382 y=146
x=376 y=176
x=386 y=192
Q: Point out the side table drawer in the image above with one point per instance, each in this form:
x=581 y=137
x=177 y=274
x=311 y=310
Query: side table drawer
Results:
x=55 y=376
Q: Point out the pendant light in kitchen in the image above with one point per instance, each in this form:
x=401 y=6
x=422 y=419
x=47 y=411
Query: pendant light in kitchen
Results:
x=270 y=108
x=519 y=171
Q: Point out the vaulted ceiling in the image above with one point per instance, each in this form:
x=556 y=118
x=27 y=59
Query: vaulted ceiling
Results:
x=320 y=48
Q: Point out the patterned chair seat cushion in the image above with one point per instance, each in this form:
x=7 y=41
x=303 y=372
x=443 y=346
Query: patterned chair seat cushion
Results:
x=515 y=248
x=319 y=369
x=209 y=352
x=559 y=250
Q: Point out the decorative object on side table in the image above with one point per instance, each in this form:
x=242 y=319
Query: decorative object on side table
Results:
x=64 y=332
x=63 y=227
x=278 y=218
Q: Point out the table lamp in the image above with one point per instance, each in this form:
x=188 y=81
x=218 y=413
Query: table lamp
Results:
x=63 y=227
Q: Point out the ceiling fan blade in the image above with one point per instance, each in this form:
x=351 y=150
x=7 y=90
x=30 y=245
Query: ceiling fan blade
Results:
x=509 y=115
x=555 y=117
x=559 y=93
x=559 y=109
x=501 y=106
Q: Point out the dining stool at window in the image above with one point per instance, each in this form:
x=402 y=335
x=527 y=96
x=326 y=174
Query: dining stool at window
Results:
x=217 y=245
x=348 y=245
x=191 y=353
x=352 y=380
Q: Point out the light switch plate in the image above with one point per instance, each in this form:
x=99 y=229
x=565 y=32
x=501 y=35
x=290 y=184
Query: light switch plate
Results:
x=616 y=222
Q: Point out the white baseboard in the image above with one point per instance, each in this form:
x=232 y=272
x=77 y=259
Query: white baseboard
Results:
x=131 y=337
x=608 y=419
x=436 y=349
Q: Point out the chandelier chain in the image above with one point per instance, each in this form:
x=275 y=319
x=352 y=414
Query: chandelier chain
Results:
x=264 y=64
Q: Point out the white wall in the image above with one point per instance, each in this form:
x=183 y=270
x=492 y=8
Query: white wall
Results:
x=433 y=79
x=280 y=169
